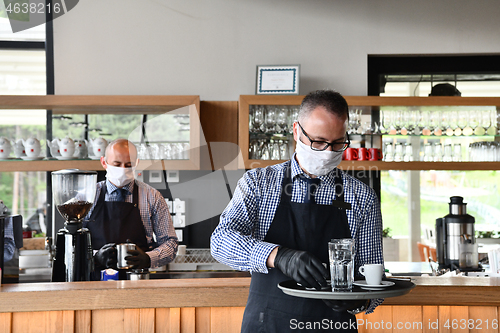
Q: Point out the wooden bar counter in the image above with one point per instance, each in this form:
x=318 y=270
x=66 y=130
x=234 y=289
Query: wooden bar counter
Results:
x=217 y=304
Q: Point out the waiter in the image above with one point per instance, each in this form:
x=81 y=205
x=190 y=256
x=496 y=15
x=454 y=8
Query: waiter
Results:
x=127 y=209
x=282 y=217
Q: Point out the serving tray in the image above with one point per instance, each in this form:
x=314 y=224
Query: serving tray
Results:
x=400 y=287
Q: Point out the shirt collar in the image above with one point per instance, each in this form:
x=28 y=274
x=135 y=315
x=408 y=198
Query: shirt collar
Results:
x=110 y=187
x=329 y=178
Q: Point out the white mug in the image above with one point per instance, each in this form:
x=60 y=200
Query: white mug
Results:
x=372 y=273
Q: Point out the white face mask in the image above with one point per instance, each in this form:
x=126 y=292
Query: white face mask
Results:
x=119 y=176
x=317 y=163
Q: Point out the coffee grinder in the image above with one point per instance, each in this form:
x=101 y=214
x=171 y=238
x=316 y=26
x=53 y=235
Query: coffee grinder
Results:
x=74 y=193
x=455 y=238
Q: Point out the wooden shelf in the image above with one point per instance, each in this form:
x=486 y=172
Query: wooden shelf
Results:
x=85 y=104
x=105 y=104
x=53 y=165
x=372 y=101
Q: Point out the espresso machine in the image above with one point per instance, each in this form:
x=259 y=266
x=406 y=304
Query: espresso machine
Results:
x=455 y=237
x=74 y=193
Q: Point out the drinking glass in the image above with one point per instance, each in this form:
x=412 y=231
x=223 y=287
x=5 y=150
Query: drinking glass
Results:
x=471 y=120
x=492 y=130
x=435 y=123
x=270 y=119
x=341 y=253
x=424 y=122
x=284 y=150
x=475 y=120
x=254 y=152
x=462 y=120
x=428 y=155
x=408 y=157
x=274 y=150
x=282 y=118
x=398 y=152
x=448 y=153
x=457 y=152
x=453 y=118
x=388 y=152
x=258 y=118
x=438 y=152
x=264 y=150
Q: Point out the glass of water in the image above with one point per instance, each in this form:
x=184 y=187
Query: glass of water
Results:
x=341 y=253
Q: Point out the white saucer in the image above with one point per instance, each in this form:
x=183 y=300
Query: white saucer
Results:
x=26 y=158
x=65 y=158
x=95 y=157
x=8 y=158
x=362 y=284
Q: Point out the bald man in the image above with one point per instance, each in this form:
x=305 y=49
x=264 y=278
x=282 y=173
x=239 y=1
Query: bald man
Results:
x=128 y=209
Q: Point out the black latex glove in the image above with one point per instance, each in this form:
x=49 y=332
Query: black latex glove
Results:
x=106 y=256
x=138 y=258
x=343 y=305
x=301 y=266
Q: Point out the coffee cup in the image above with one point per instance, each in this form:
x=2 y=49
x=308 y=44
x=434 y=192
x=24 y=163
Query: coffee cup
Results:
x=350 y=154
x=363 y=154
x=372 y=273
x=374 y=154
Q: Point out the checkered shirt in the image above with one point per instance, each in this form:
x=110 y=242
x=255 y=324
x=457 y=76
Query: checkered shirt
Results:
x=238 y=240
x=155 y=217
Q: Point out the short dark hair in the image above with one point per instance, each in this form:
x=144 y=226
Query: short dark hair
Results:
x=331 y=100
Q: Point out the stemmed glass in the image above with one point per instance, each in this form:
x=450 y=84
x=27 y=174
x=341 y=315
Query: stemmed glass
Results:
x=474 y=120
x=462 y=120
x=270 y=119
x=484 y=123
x=492 y=130
x=282 y=118
x=452 y=122
x=424 y=122
x=258 y=118
x=467 y=129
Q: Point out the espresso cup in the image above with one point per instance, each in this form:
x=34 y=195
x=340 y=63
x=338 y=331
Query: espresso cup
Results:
x=372 y=273
x=374 y=154
x=363 y=154
x=350 y=154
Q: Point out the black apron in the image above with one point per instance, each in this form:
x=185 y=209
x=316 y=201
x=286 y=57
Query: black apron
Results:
x=307 y=227
x=115 y=222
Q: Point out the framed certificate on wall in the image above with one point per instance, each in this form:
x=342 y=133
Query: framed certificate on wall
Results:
x=277 y=80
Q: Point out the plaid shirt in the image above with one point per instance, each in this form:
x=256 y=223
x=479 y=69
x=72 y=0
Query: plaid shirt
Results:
x=155 y=217
x=238 y=240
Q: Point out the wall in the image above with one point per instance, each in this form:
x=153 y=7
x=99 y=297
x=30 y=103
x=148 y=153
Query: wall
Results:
x=211 y=48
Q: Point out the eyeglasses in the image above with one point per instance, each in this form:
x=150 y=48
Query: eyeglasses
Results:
x=323 y=145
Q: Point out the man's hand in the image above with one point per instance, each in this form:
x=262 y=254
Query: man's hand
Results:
x=343 y=305
x=106 y=256
x=301 y=266
x=139 y=258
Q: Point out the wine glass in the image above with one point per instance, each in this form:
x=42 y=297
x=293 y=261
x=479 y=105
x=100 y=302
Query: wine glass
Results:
x=258 y=118
x=435 y=123
x=282 y=118
x=468 y=130
x=492 y=130
x=270 y=119
x=462 y=120
x=424 y=122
